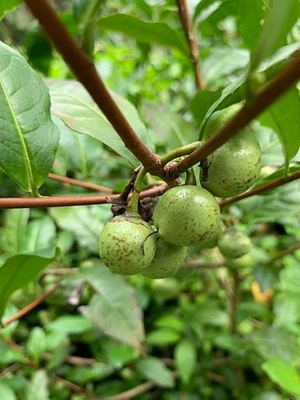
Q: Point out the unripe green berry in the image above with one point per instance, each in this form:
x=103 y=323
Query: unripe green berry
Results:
x=168 y=258
x=127 y=245
x=234 y=244
x=187 y=215
x=241 y=263
x=233 y=167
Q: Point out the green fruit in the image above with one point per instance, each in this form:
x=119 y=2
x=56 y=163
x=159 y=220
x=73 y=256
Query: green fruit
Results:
x=233 y=167
x=240 y=263
x=167 y=288
x=187 y=215
x=210 y=244
x=234 y=244
x=127 y=245
x=168 y=258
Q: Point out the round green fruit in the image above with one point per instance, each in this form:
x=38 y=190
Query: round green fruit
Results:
x=212 y=242
x=233 y=167
x=234 y=244
x=187 y=215
x=127 y=245
x=168 y=258
x=167 y=288
x=240 y=263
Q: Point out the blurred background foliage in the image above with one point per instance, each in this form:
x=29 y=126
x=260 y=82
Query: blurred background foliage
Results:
x=213 y=331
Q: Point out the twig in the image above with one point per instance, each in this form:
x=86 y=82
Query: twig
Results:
x=131 y=393
x=233 y=300
x=192 y=41
x=76 y=182
x=9 y=370
x=31 y=306
x=87 y=74
x=284 y=253
x=261 y=100
x=202 y=264
x=261 y=189
x=64 y=201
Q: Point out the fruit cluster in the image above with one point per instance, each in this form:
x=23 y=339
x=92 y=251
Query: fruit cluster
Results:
x=186 y=215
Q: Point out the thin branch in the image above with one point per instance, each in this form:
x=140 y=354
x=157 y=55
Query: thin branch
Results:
x=76 y=182
x=192 y=41
x=261 y=189
x=284 y=253
x=86 y=73
x=263 y=99
x=203 y=264
x=131 y=393
x=65 y=201
x=31 y=306
x=233 y=301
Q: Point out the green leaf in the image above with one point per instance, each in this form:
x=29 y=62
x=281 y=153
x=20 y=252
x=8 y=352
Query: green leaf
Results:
x=29 y=138
x=85 y=11
x=234 y=93
x=40 y=234
x=114 y=308
x=8 y=5
x=36 y=344
x=223 y=62
x=6 y=392
x=76 y=152
x=37 y=388
x=154 y=370
x=283 y=374
x=186 y=360
x=275 y=29
x=85 y=222
x=96 y=372
x=163 y=337
x=168 y=128
x=286 y=309
x=14 y=230
x=72 y=103
x=290 y=278
x=275 y=342
x=249 y=17
x=281 y=205
x=283 y=117
x=201 y=103
x=19 y=270
x=70 y=324
x=9 y=355
x=145 y=32
x=212 y=17
x=85 y=14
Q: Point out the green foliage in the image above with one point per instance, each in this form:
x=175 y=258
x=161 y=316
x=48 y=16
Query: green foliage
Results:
x=218 y=328
x=28 y=145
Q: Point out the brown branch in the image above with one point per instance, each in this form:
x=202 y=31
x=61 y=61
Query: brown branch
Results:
x=86 y=73
x=76 y=182
x=65 y=201
x=31 y=306
x=131 y=393
x=261 y=189
x=263 y=99
x=192 y=41
x=284 y=253
x=233 y=301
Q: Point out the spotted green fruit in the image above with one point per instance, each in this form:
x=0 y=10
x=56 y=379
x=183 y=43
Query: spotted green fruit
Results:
x=234 y=244
x=168 y=258
x=186 y=215
x=233 y=167
x=127 y=245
